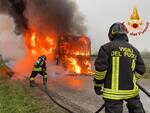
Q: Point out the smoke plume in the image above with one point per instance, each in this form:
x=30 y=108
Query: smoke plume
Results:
x=60 y=15
x=15 y=8
x=11 y=46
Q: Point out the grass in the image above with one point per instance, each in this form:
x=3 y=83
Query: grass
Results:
x=16 y=98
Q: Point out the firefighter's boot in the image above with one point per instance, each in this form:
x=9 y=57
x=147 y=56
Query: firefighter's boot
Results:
x=32 y=82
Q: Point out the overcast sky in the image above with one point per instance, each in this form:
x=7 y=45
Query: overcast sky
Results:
x=100 y=14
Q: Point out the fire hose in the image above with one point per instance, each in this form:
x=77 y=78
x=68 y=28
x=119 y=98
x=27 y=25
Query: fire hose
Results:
x=144 y=90
x=45 y=90
x=140 y=87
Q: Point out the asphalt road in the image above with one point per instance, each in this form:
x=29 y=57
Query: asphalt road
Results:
x=79 y=91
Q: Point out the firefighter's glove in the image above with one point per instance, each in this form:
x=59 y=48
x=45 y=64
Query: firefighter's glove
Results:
x=36 y=65
x=138 y=77
x=44 y=69
x=98 y=90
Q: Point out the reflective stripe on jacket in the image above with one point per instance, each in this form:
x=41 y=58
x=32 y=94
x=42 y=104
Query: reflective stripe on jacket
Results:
x=37 y=69
x=40 y=65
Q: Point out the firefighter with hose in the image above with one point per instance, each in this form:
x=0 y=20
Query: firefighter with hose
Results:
x=39 y=68
x=118 y=67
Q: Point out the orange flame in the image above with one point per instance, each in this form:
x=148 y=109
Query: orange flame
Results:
x=39 y=45
x=74 y=66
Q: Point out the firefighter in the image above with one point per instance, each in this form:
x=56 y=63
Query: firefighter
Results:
x=39 y=68
x=118 y=67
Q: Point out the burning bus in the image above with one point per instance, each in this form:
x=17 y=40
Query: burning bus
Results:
x=70 y=51
x=74 y=54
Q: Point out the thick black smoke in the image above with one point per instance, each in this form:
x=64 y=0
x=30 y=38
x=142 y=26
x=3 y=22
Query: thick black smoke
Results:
x=60 y=15
x=44 y=15
x=15 y=8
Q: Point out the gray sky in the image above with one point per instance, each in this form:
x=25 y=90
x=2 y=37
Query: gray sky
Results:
x=100 y=14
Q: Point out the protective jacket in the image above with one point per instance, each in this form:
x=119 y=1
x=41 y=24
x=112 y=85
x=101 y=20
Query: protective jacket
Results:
x=117 y=67
x=40 y=65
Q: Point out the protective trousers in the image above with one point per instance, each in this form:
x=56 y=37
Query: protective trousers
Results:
x=35 y=73
x=134 y=105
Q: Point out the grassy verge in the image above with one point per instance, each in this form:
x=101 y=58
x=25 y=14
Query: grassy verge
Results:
x=16 y=98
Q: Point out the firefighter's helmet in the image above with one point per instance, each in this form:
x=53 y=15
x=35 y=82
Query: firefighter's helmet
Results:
x=43 y=57
x=117 y=28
